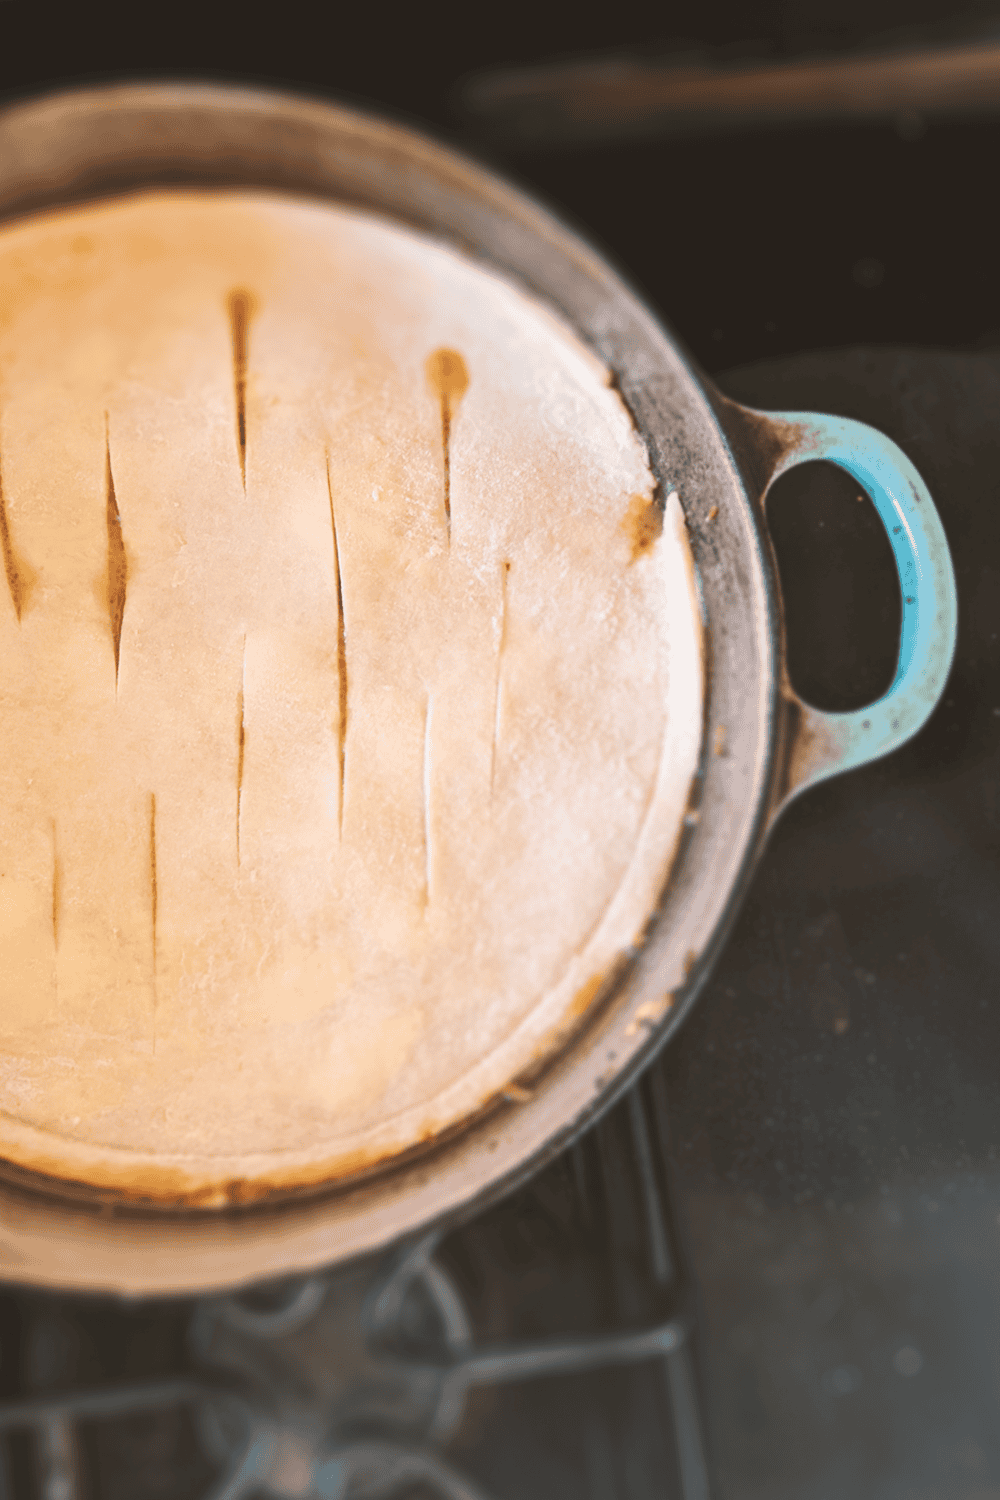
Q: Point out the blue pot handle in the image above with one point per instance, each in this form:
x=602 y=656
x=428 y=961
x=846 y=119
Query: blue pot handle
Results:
x=824 y=744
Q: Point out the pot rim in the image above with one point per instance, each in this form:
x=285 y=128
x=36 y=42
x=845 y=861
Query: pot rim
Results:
x=94 y=143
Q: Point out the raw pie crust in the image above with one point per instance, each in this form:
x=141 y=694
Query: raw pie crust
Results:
x=350 y=691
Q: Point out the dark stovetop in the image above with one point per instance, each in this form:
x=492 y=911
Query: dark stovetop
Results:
x=828 y=1121
x=835 y=1097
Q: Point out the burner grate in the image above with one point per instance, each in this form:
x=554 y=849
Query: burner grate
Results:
x=544 y=1348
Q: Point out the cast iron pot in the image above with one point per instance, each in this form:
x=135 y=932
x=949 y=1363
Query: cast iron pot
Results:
x=762 y=745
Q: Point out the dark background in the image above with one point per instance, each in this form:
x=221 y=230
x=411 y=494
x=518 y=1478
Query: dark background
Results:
x=750 y=244
x=834 y=1106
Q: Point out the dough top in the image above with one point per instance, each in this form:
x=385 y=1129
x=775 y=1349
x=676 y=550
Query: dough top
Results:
x=350 y=691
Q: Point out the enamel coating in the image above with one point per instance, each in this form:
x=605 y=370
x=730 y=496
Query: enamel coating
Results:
x=927 y=588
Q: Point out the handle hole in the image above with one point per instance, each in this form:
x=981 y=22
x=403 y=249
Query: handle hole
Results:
x=843 y=611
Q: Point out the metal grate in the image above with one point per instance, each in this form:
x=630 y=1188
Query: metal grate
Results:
x=542 y=1349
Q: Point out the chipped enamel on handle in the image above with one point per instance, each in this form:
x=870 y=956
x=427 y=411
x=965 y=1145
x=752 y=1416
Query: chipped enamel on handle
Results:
x=824 y=744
